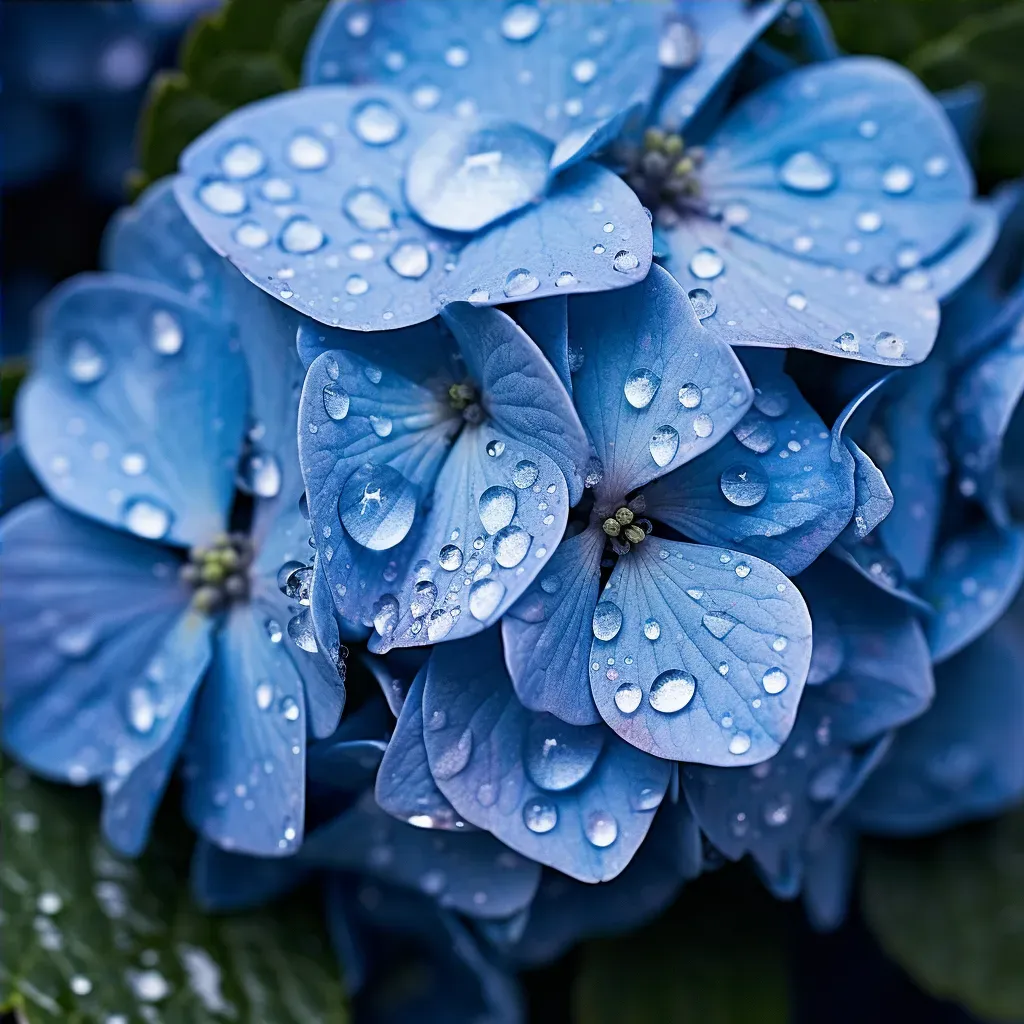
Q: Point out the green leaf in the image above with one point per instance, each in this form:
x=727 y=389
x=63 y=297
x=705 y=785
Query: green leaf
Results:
x=90 y=938
x=245 y=51
x=715 y=958
x=950 y=911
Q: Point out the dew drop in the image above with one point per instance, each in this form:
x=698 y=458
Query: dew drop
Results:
x=497 y=506
x=690 y=396
x=774 y=680
x=525 y=474
x=377 y=123
x=300 y=235
x=450 y=557
x=520 y=282
x=222 y=197
x=807 y=172
x=539 y=816
x=601 y=829
x=495 y=448
x=86 y=364
x=703 y=425
x=336 y=401
x=744 y=486
x=703 y=302
x=410 y=260
x=368 y=210
x=718 y=624
x=739 y=743
x=455 y=758
x=756 y=433
x=520 y=22
x=485 y=597
x=706 y=264
x=888 y=345
x=377 y=506
x=357 y=285
x=652 y=629
x=510 y=546
x=897 y=180
x=146 y=518
x=606 y=621
x=277 y=190
x=625 y=261
x=628 y=697
x=672 y=690
x=641 y=386
x=664 y=444
x=565 y=280
x=558 y=756
x=868 y=221
x=251 y=235
x=307 y=153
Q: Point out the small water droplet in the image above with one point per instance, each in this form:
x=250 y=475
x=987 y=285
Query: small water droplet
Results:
x=607 y=620
x=520 y=282
x=797 y=301
x=242 y=160
x=368 y=210
x=807 y=172
x=690 y=396
x=778 y=812
x=641 y=386
x=495 y=448
x=706 y=264
x=357 y=285
x=510 y=546
x=520 y=21
x=739 y=744
x=718 y=624
x=382 y=425
x=678 y=45
x=277 y=190
x=744 y=486
x=251 y=235
x=628 y=697
x=539 y=816
x=868 y=221
x=897 y=179
x=774 y=680
x=936 y=166
x=450 y=557
x=625 y=261
x=410 y=260
x=456 y=56
x=86 y=364
x=672 y=690
x=222 y=197
x=525 y=474
x=601 y=829
x=868 y=129
x=377 y=123
x=703 y=425
x=664 y=444
x=565 y=280
x=300 y=235
x=888 y=345
x=307 y=153
x=147 y=518
x=336 y=401
x=703 y=302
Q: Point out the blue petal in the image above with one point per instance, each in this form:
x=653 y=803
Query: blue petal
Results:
x=118 y=360
x=971 y=583
x=588 y=139
x=711 y=40
x=103 y=659
x=985 y=398
x=873 y=499
x=223 y=882
x=405 y=788
x=870 y=659
x=547 y=323
x=873 y=562
x=829 y=871
x=577 y=799
x=948 y=271
x=779 y=486
x=964 y=106
x=654 y=390
x=546 y=633
x=545 y=67
x=386 y=563
x=522 y=394
x=903 y=441
x=963 y=759
x=854 y=141
x=245 y=763
x=17 y=484
x=153 y=239
x=473 y=874
x=560 y=246
x=758 y=295
x=349 y=765
x=699 y=654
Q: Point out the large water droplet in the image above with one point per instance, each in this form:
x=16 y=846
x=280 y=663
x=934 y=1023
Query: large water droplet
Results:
x=774 y=680
x=672 y=690
x=377 y=506
x=641 y=386
x=703 y=302
x=440 y=623
x=652 y=629
x=601 y=829
x=558 y=756
x=525 y=474
x=607 y=620
x=300 y=235
x=424 y=595
x=222 y=197
x=706 y=264
x=628 y=697
x=718 y=624
x=336 y=401
x=455 y=758
x=300 y=632
x=242 y=160
x=739 y=743
x=377 y=123
x=664 y=444
x=539 y=816
x=450 y=557
x=897 y=179
x=368 y=210
x=889 y=346
x=703 y=425
x=744 y=486
x=307 y=153
x=625 y=261
x=484 y=599
x=520 y=282
x=689 y=396
x=410 y=259
x=86 y=364
x=520 y=21
x=165 y=333
x=807 y=172
x=385 y=614
x=510 y=546
x=497 y=506
x=147 y=518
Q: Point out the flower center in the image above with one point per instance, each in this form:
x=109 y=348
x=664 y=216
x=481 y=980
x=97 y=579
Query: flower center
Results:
x=218 y=574
x=625 y=526
x=622 y=523
x=465 y=398
x=664 y=172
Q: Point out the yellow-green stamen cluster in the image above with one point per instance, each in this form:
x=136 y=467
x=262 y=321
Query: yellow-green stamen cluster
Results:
x=664 y=170
x=465 y=398
x=622 y=523
x=219 y=572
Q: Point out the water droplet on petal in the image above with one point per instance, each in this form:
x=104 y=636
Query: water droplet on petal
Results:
x=678 y=45
x=222 y=197
x=410 y=260
x=539 y=816
x=641 y=386
x=368 y=210
x=778 y=812
x=510 y=546
x=300 y=235
x=744 y=486
x=703 y=425
x=936 y=166
x=336 y=401
x=525 y=474
x=797 y=301
x=565 y=280
x=703 y=302
x=718 y=624
x=652 y=629
x=889 y=346
x=520 y=21
x=756 y=433
x=897 y=180
x=774 y=680
x=672 y=690
x=601 y=829
x=689 y=396
x=706 y=264
x=307 y=153
x=260 y=474
x=520 y=282
x=357 y=285
x=450 y=557
x=664 y=445
x=382 y=425
x=807 y=172
x=377 y=506
x=242 y=160
x=455 y=758
x=868 y=221
x=628 y=697
x=584 y=70
x=497 y=506
x=251 y=235
x=484 y=599
x=739 y=744
x=147 y=518
x=625 y=261
x=607 y=620
x=377 y=123
x=456 y=56
x=558 y=756
x=86 y=364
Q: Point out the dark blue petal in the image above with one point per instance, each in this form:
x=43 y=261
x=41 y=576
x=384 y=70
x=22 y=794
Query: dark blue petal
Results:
x=102 y=659
x=153 y=239
x=711 y=39
x=473 y=873
x=345 y=764
x=519 y=389
x=560 y=246
x=119 y=358
x=245 y=763
x=421 y=568
x=405 y=788
x=963 y=759
x=984 y=400
x=223 y=882
x=947 y=272
x=653 y=389
x=546 y=67
x=699 y=654
x=849 y=150
x=964 y=106
x=577 y=799
x=873 y=499
x=546 y=633
x=753 y=294
x=870 y=657
x=547 y=323
x=829 y=870
x=872 y=561
x=974 y=578
x=17 y=483
x=779 y=486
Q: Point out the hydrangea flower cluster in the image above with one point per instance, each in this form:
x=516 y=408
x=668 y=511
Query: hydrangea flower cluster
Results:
x=474 y=348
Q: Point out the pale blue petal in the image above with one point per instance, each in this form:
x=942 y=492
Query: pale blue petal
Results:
x=586 y=140
x=546 y=633
x=779 y=486
x=759 y=295
x=654 y=389
x=577 y=799
x=948 y=271
x=547 y=67
x=119 y=359
x=546 y=321
x=810 y=153
x=700 y=654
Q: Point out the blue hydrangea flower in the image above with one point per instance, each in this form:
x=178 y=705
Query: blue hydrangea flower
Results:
x=142 y=606
x=439 y=152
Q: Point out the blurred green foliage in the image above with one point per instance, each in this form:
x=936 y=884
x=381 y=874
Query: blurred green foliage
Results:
x=91 y=938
